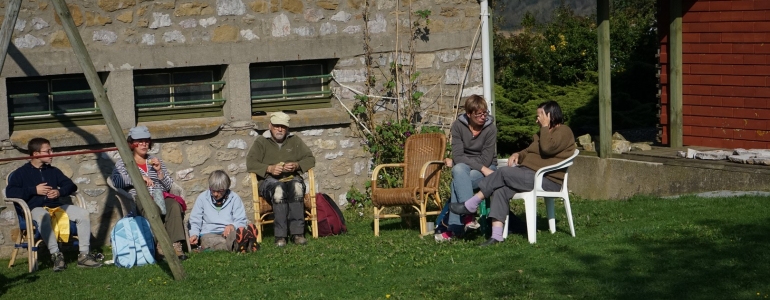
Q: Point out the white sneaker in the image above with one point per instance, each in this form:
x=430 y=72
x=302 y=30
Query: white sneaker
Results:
x=441 y=237
x=472 y=225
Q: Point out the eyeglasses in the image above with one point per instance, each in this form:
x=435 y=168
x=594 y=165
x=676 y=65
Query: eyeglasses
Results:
x=481 y=114
x=143 y=141
x=49 y=151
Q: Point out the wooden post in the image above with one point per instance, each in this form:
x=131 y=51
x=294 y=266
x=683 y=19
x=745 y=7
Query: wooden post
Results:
x=605 y=93
x=6 y=31
x=675 y=75
x=143 y=195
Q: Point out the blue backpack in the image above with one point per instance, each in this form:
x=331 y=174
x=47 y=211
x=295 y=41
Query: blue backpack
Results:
x=132 y=242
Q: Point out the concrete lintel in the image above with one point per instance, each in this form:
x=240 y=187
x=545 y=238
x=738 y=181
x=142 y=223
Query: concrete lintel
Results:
x=308 y=118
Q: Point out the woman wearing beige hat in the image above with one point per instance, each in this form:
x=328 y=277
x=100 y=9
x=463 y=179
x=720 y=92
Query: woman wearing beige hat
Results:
x=156 y=178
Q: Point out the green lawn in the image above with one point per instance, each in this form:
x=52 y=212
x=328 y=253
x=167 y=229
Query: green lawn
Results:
x=644 y=248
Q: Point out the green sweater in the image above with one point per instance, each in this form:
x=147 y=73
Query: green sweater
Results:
x=265 y=152
x=549 y=148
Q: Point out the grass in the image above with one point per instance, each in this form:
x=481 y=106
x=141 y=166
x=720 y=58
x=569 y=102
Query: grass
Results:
x=643 y=248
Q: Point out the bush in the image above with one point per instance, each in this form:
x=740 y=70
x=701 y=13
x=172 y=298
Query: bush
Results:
x=557 y=60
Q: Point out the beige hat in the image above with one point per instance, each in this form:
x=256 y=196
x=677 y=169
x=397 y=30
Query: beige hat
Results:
x=279 y=118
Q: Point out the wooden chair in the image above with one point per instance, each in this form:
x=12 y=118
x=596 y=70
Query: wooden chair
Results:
x=262 y=208
x=423 y=160
x=128 y=203
x=31 y=239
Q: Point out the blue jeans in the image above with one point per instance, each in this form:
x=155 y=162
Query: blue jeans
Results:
x=464 y=182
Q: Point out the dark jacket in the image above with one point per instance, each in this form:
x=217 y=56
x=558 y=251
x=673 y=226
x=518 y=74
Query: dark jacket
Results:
x=23 y=185
x=265 y=152
x=476 y=152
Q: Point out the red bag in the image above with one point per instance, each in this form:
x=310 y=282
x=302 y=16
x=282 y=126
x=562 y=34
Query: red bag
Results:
x=330 y=218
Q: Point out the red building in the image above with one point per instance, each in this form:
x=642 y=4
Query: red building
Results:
x=725 y=73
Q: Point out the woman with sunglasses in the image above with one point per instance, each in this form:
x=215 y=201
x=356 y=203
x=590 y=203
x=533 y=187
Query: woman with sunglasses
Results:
x=157 y=180
x=218 y=219
x=473 y=157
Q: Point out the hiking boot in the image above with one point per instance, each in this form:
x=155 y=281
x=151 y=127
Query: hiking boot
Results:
x=58 y=262
x=178 y=251
x=88 y=261
x=280 y=242
x=299 y=239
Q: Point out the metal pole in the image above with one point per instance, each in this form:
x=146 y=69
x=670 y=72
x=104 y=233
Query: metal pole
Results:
x=143 y=195
x=675 y=75
x=6 y=31
x=605 y=93
x=491 y=54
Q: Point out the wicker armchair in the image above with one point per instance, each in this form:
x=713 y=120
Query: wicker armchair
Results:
x=423 y=160
x=262 y=208
x=31 y=239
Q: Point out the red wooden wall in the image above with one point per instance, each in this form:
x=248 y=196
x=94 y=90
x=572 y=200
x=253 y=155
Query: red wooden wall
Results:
x=726 y=72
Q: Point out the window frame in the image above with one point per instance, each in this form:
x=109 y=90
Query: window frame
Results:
x=262 y=104
x=188 y=109
x=52 y=117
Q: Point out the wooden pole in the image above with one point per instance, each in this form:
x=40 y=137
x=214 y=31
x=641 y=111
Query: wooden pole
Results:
x=143 y=195
x=6 y=31
x=675 y=75
x=605 y=93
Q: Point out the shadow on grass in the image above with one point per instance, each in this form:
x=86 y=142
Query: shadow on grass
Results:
x=708 y=259
x=7 y=283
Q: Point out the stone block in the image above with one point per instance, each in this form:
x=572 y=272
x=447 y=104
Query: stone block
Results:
x=328 y=28
x=174 y=36
x=230 y=8
x=126 y=17
x=620 y=146
x=353 y=29
x=292 y=6
x=38 y=23
x=28 y=41
x=185 y=174
x=355 y=4
x=113 y=5
x=93 y=19
x=197 y=155
x=160 y=20
x=618 y=137
x=640 y=147
x=59 y=40
x=378 y=25
x=328 y=4
x=341 y=16
x=281 y=26
x=449 y=12
x=313 y=15
x=424 y=61
x=189 y=9
x=225 y=33
x=584 y=139
x=75 y=12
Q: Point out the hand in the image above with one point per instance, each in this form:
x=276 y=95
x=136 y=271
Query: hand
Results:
x=193 y=240
x=228 y=229
x=486 y=171
x=53 y=194
x=290 y=167
x=155 y=163
x=448 y=162
x=275 y=169
x=148 y=181
x=42 y=189
x=543 y=119
x=513 y=160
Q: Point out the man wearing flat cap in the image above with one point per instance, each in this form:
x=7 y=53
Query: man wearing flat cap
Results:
x=279 y=158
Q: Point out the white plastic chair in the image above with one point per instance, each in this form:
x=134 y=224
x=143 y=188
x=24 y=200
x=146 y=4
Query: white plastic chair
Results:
x=530 y=200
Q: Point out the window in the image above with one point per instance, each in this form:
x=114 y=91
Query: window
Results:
x=290 y=85
x=51 y=101
x=178 y=93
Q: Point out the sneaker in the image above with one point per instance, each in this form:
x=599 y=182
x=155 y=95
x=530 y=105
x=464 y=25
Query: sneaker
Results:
x=58 y=262
x=178 y=251
x=299 y=239
x=88 y=261
x=443 y=237
x=470 y=222
x=280 y=242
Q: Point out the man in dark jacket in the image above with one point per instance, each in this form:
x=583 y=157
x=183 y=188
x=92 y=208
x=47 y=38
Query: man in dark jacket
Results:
x=279 y=158
x=41 y=186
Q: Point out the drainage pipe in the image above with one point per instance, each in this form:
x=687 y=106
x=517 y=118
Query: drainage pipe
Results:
x=485 y=53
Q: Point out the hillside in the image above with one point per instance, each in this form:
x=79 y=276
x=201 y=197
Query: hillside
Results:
x=513 y=10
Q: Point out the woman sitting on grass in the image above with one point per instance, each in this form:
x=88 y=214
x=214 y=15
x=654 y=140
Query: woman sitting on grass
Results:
x=218 y=219
x=553 y=144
